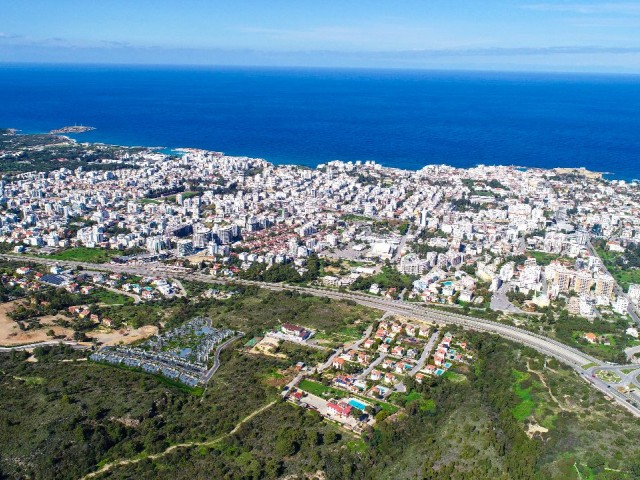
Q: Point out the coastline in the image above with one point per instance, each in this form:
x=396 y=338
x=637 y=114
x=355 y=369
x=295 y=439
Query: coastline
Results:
x=167 y=150
x=582 y=171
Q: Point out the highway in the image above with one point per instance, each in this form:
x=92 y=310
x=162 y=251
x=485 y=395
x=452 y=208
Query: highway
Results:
x=568 y=355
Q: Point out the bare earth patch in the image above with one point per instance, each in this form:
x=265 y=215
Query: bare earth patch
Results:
x=126 y=336
x=10 y=333
x=534 y=429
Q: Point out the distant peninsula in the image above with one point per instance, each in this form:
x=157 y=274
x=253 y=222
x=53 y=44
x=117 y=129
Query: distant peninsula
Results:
x=72 y=129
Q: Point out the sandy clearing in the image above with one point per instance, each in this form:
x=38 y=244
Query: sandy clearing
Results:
x=10 y=333
x=115 y=337
x=534 y=429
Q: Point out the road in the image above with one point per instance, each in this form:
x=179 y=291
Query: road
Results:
x=371 y=366
x=425 y=354
x=628 y=375
x=401 y=246
x=347 y=347
x=136 y=297
x=499 y=301
x=216 y=358
x=563 y=353
x=630 y=352
x=400 y=386
x=292 y=384
x=31 y=346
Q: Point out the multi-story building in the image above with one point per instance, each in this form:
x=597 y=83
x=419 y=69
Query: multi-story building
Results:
x=184 y=248
x=634 y=293
x=582 y=283
x=605 y=284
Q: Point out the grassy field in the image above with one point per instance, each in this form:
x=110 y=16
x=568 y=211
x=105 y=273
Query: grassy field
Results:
x=336 y=338
x=84 y=254
x=522 y=410
x=185 y=195
x=321 y=390
x=259 y=311
x=148 y=201
x=326 y=392
x=454 y=377
x=544 y=258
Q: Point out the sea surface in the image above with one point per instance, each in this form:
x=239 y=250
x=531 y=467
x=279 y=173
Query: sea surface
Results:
x=404 y=119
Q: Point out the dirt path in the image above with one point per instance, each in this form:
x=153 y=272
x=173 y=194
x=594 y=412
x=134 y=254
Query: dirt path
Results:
x=208 y=443
x=543 y=381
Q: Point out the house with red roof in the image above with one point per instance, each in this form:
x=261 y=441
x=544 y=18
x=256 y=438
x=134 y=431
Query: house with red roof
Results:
x=339 y=408
x=338 y=363
x=397 y=351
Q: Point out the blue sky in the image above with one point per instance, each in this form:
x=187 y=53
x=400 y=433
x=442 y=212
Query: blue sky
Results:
x=474 y=34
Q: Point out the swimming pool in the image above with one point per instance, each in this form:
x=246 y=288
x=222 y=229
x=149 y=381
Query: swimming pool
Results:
x=356 y=404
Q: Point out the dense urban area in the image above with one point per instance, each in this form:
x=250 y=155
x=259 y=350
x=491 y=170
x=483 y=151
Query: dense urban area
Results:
x=172 y=312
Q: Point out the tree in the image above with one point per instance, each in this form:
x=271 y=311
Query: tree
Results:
x=79 y=336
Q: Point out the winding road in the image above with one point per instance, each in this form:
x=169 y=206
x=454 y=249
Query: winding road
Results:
x=216 y=357
x=570 y=356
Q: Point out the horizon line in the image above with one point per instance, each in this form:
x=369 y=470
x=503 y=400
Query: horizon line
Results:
x=542 y=71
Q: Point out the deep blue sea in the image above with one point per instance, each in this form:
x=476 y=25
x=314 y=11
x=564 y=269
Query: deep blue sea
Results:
x=404 y=119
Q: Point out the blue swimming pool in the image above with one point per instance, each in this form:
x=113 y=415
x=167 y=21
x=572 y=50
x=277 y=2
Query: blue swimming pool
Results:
x=356 y=404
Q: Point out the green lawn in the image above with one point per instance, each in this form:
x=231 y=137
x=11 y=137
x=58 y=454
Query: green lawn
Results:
x=147 y=201
x=454 y=377
x=111 y=298
x=84 y=254
x=544 y=258
x=319 y=390
x=185 y=195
